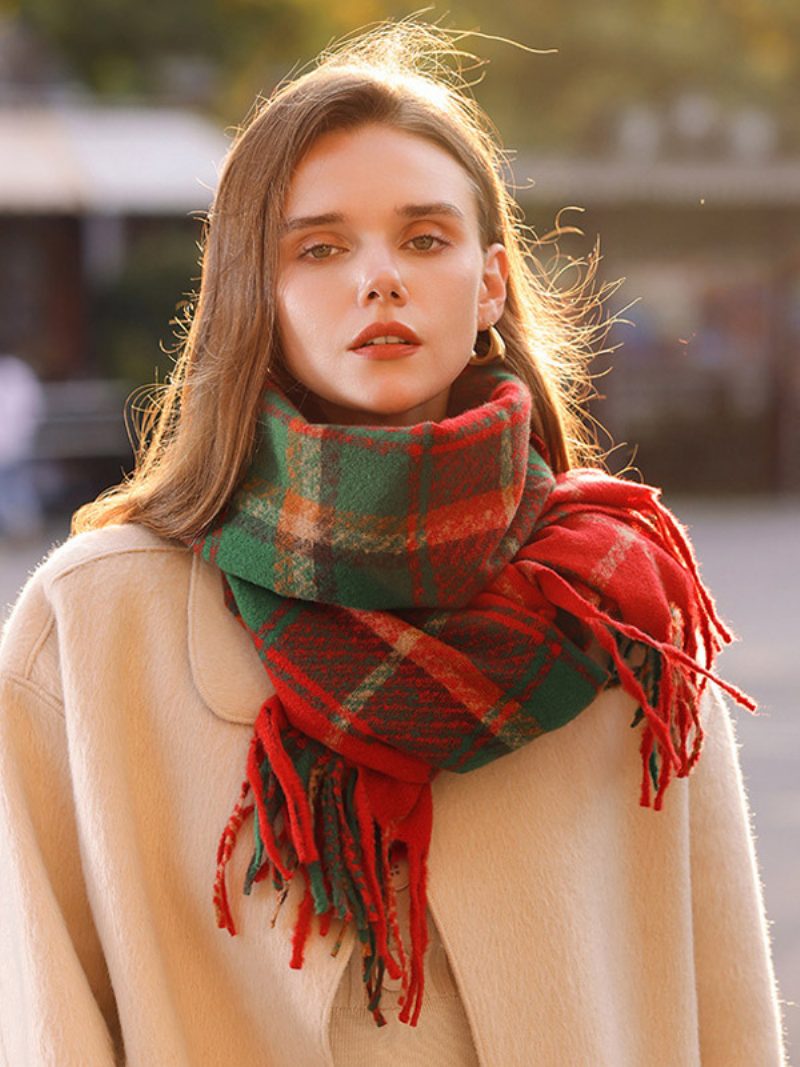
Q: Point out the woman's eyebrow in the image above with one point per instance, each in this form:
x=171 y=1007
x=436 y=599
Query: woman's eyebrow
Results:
x=409 y=211
x=438 y=207
x=305 y=222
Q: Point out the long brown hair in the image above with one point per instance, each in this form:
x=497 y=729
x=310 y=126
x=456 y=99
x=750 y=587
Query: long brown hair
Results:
x=197 y=433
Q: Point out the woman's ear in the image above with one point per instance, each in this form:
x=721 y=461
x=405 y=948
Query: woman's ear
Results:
x=492 y=295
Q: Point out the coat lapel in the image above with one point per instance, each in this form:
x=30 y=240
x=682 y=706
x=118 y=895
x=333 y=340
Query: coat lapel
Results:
x=226 y=669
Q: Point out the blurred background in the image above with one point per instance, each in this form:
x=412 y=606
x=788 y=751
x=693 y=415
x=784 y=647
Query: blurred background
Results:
x=670 y=129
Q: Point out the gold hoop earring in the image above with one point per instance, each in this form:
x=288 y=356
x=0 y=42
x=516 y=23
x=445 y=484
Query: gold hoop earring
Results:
x=496 y=351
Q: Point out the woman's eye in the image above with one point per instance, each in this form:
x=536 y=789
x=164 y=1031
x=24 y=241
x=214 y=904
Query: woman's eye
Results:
x=424 y=242
x=320 y=251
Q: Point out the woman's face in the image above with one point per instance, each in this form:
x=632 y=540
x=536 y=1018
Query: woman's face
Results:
x=381 y=229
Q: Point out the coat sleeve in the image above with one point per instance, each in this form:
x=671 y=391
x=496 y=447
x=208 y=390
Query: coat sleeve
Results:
x=738 y=1006
x=57 y=1006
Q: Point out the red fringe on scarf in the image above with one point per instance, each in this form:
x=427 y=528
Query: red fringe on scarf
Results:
x=379 y=904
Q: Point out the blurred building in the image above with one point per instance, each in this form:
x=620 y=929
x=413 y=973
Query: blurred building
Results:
x=78 y=180
x=86 y=190
x=699 y=213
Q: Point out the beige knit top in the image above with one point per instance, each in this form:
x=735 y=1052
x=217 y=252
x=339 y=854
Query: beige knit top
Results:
x=442 y=1035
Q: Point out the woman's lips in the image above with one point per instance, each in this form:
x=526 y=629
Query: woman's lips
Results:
x=390 y=351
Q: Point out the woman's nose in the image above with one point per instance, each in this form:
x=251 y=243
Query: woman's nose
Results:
x=382 y=283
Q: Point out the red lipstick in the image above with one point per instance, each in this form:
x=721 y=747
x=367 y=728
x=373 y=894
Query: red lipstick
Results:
x=410 y=341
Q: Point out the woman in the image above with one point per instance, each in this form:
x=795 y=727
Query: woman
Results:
x=366 y=479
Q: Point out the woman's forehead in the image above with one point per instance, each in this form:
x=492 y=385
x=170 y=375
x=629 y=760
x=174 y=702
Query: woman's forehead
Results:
x=374 y=169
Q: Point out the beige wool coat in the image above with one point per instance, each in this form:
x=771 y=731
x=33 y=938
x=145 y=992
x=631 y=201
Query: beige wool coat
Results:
x=581 y=929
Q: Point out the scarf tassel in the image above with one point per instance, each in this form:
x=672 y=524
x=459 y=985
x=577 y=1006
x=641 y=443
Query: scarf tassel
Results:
x=670 y=707
x=330 y=835
x=417 y=880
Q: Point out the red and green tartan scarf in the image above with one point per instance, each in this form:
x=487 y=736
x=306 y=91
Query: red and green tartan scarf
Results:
x=423 y=598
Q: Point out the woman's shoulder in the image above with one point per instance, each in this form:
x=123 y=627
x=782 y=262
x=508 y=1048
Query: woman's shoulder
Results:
x=119 y=542
x=123 y=562
x=122 y=553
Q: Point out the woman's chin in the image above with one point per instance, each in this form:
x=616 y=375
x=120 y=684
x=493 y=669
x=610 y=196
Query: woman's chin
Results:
x=392 y=408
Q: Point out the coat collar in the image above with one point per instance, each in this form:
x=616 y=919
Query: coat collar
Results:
x=226 y=669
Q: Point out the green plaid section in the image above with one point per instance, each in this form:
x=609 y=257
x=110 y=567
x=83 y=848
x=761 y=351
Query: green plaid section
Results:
x=386 y=518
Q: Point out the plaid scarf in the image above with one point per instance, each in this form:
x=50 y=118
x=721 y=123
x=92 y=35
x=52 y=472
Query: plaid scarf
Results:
x=423 y=598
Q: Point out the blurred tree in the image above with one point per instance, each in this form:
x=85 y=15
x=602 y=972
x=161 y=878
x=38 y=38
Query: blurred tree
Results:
x=625 y=51
x=609 y=55
x=133 y=317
